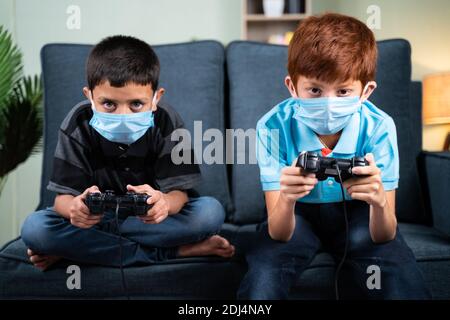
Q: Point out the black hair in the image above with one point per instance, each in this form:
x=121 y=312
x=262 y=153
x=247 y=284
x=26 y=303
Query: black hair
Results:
x=122 y=60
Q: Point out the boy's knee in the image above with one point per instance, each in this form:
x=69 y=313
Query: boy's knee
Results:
x=209 y=213
x=35 y=233
x=263 y=282
x=360 y=239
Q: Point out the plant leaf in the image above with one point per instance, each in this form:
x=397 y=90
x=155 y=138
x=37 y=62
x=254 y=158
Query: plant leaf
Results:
x=22 y=126
x=10 y=65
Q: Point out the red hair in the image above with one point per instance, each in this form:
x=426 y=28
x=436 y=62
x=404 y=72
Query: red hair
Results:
x=332 y=47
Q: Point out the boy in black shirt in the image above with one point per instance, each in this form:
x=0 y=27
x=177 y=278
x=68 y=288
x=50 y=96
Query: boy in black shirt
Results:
x=121 y=141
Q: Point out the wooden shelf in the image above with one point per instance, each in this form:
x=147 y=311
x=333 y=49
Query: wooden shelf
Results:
x=256 y=26
x=284 y=17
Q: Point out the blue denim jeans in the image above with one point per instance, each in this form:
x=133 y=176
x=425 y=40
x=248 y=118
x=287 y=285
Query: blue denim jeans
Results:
x=274 y=266
x=47 y=232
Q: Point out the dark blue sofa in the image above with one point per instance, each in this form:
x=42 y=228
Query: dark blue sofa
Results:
x=233 y=87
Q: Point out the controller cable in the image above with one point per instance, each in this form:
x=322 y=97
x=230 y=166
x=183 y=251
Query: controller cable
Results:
x=344 y=256
x=122 y=273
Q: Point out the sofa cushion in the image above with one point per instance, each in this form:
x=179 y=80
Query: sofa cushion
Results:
x=436 y=179
x=203 y=278
x=432 y=250
x=256 y=73
x=192 y=74
x=393 y=95
x=427 y=243
x=189 y=278
x=430 y=247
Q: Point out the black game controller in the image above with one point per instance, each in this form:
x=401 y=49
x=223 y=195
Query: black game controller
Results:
x=325 y=167
x=98 y=202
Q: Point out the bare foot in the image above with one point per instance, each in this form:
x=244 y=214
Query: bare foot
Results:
x=215 y=245
x=41 y=261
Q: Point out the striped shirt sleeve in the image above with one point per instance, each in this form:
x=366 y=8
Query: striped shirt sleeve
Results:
x=72 y=172
x=171 y=175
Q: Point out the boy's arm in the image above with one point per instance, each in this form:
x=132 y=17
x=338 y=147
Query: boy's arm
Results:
x=62 y=205
x=378 y=187
x=281 y=203
x=369 y=188
x=173 y=177
x=281 y=217
x=176 y=200
x=164 y=204
x=282 y=183
x=383 y=222
x=74 y=209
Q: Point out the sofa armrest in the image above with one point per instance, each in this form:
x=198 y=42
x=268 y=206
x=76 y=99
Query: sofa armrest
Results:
x=436 y=166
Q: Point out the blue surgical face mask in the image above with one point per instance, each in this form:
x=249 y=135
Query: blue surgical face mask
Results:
x=326 y=115
x=122 y=128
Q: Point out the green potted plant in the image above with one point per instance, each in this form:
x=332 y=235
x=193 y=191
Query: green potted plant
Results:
x=20 y=109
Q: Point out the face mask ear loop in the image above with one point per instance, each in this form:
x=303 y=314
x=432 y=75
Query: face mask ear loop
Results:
x=91 y=97
x=362 y=93
x=295 y=96
x=154 y=105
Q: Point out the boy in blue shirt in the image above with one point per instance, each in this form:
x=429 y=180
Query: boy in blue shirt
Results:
x=331 y=64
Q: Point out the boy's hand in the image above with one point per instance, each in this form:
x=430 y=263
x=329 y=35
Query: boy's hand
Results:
x=296 y=184
x=369 y=188
x=79 y=212
x=160 y=209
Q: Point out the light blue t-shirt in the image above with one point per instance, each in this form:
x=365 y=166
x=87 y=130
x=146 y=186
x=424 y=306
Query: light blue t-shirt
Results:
x=281 y=138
